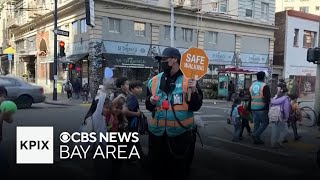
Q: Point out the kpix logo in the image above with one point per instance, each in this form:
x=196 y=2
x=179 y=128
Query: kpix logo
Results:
x=34 y=145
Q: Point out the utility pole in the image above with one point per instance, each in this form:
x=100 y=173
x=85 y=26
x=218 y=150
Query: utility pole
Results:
x=55 y=64
x=172 y=23
x=317 y=88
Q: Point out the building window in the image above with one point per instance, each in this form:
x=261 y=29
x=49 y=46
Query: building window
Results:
x=83 y=26
x=250 y=8
x=304 y=9
x=296 y=37
x=264 y=11
x=187 y=34
x=167 y=32
x=309 y=39
x=140 y=29
x=317 y=8
x=114 y=25
x=213 y=36
x=223 y=6
x=75 y=27
x=288 y=8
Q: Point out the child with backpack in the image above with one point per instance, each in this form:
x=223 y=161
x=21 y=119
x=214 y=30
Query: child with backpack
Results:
x=235 y=120
x=246 y=117
x=278 y=117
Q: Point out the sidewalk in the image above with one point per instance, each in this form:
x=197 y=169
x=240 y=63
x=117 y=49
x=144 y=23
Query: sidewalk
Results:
x=305 y=147
x=63 y=100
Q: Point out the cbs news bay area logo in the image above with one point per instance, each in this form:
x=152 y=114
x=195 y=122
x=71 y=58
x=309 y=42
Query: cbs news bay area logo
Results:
x=35 y=145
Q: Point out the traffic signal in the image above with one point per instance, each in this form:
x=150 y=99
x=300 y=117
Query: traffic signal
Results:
x=71 y=66
x=313 y=55
x=61 y=49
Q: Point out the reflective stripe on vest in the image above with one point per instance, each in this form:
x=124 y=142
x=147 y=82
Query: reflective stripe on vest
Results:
x=256 y=91
x=165 y=120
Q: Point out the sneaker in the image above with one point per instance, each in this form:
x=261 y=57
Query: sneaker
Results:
x=82 y=102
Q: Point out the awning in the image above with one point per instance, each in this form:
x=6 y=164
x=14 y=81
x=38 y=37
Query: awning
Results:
x=129 y=61
x=76 y=57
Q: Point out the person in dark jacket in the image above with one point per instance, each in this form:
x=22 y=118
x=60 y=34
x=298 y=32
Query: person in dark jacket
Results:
x=77 y=88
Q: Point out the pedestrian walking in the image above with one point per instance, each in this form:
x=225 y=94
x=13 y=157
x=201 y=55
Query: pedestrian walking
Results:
x=246 y=117
x=77 y=88
x=85 y=92
x=278 y=115
x=172 y=134
x=133 y=113
x=68 y=89
x=231 y=90
x=235 y=120
x=259 y=105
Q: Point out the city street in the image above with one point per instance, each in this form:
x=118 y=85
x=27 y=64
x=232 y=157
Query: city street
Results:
x=218 y=158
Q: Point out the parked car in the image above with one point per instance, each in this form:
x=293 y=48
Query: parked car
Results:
x=22 y=93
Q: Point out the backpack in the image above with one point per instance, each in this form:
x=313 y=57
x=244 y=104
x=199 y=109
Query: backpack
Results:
x=85 y=87
x=67 y=87
x=235 y=116
x=275 y=113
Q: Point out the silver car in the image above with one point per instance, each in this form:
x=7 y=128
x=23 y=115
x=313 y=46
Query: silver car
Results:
x=22 y=93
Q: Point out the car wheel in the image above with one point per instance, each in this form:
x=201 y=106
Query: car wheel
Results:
x=24 y=102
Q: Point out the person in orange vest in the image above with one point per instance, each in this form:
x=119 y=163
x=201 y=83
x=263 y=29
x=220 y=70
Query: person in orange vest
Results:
x=260 y=98
x=172 y=130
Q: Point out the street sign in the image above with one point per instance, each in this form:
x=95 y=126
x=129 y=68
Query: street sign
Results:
x=194 y=63
x=90 y=17
x=62 y=33
x=9 y=57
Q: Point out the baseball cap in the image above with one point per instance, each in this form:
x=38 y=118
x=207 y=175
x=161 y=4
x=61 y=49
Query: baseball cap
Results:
x=169 y=52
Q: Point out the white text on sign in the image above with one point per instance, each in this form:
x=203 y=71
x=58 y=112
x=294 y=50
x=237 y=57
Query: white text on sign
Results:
x=195 y=62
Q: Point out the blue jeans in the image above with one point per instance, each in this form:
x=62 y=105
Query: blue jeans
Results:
x=261 y=121
x=237 y=131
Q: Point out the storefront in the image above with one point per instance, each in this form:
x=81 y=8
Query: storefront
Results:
x=78 y=67
x=77 y=62
x=130 y=60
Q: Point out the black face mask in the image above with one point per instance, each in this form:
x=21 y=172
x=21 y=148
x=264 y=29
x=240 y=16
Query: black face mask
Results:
x=165 y=67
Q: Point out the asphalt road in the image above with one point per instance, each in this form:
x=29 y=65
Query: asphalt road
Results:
x=218 y=158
